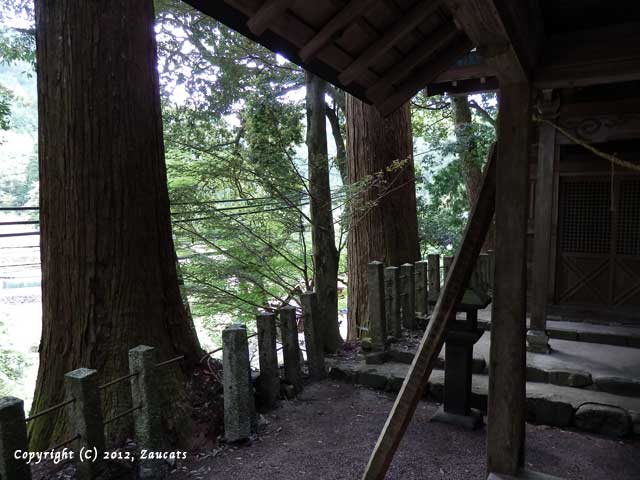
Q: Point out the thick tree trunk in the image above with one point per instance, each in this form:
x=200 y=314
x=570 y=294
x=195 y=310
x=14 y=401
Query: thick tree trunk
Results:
x=325 y=254
x=469 y=164
x=384 y=223
x=109 y=272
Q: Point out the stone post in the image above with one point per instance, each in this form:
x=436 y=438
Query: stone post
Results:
x=407 y=273
x=485 y=271
x=481 y=278
x=377 y=317
x=290 y=347
x=392 y=301
x=147 y=420
x=446 y=264
x=86 y=419
x=434 y=277
x=312 y=336
x=269 y=383
x=13 y=437
x=238 y=391
x=422 y=287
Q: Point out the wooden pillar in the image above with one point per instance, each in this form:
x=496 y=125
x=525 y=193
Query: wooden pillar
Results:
x=507 y=398
x=537 y=338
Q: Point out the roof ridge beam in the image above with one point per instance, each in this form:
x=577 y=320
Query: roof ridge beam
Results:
x=353 y=10
x=409 y=21
x=269 y=10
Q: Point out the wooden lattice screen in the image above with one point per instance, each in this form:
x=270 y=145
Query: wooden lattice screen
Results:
x=628 y=241
x=585 y=214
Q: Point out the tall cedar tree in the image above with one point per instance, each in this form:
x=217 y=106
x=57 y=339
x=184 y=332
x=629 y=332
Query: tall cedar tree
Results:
x=325 y=254
x=386 y=229
x=470 y=164
x=109 y=273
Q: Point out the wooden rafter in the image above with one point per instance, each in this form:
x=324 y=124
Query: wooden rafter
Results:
x=353 y=10
x=416 y=15
x=426 y=73
x=269 y=10
x=431 y=344
x=508 y=33
x=417 y=56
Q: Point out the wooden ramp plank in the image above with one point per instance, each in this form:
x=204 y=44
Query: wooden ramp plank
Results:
x=431 y=344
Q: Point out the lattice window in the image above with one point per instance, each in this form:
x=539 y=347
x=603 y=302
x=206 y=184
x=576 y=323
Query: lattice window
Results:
x=629 y=218
x=585 y=217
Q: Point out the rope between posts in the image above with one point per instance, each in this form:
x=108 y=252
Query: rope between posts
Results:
x=208 y=354
x=123 y=414
x=170 y=361
x=50 y=409
x=117 y=380
x=65 y=442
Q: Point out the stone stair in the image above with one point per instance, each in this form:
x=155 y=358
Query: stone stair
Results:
x=560 y=376
x=547 y=403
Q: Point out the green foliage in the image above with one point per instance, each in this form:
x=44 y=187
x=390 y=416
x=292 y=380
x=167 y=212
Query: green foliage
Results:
x=17 y=32
x=239 y=197
x=5 y=108
x=443 y=204
x=18 y=131
x=12 y=365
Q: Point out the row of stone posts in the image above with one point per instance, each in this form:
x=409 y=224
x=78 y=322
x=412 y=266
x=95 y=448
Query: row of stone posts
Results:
x=402 y=297
x=239 y=401
x=85 y=415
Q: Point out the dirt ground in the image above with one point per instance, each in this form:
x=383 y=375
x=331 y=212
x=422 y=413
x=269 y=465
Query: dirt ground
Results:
x=328 y=432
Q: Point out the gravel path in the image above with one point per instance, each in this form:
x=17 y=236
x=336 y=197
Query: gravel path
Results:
x=329 y=431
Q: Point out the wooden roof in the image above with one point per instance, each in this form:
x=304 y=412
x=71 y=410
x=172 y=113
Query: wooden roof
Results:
x=385 y=51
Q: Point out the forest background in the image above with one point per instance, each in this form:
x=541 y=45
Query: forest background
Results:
x=234 y=131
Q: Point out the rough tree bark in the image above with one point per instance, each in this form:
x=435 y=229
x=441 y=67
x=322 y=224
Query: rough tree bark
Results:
x=469 y=165
x=325 y=254
x=109 y=272
x=384 y=223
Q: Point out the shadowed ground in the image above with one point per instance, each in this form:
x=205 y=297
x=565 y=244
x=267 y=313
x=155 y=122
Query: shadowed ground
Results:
x=329 y=431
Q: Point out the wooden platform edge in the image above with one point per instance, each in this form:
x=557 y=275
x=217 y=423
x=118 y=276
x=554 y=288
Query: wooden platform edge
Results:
x=431 y=343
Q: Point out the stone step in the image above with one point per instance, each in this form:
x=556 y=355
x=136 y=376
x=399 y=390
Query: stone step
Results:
x=478 y=364
x=547 y=404
x=564 y=377
x=590 y=333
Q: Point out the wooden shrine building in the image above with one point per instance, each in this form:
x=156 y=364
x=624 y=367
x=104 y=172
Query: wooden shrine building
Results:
x=568 y=73
x=583 y=229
